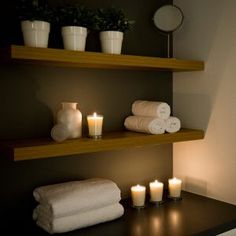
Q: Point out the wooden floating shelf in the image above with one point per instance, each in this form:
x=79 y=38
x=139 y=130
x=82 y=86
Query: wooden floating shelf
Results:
x=44 y=148
x=62 y=57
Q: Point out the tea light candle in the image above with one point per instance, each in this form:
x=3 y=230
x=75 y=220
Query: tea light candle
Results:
x=175 y=187
x=95 y=123
x=138 y=193
x=156 y=191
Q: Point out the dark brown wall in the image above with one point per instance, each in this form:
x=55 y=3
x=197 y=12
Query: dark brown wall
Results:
x=30 y=95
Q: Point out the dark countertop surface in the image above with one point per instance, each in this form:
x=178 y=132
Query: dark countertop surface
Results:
x=193 y=215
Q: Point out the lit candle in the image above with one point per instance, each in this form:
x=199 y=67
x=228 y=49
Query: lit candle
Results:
x=138 y=193
x=156 y=191
x=175 y=187
x=95 y=125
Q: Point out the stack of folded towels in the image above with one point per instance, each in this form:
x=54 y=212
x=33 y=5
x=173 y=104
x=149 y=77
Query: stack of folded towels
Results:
x=72 y=205
x=152 y=118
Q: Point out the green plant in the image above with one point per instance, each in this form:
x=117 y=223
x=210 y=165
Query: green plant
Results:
x=34 y=10
x=76 y=16
x=111 y=19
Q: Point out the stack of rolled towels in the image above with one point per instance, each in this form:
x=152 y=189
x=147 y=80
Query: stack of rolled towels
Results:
x=77 y=204
x=152 y=117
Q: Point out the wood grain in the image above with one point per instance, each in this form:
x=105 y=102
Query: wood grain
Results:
x=43 y=148
x=61 y=57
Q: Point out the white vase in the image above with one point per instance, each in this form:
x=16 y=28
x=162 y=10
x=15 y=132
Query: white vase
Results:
x=35 y=33
x=111 y=41
x=74 y=37
x=71 y=117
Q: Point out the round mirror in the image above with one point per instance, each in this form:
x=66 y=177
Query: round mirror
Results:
x=168 y=18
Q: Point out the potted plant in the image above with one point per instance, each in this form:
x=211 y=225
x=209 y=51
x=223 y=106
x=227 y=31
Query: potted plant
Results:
x=35 y=22
x=112 y=24
x=75 y=22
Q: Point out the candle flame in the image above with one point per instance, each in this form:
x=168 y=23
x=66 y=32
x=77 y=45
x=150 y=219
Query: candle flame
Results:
x=175 y=180
x=95 y=114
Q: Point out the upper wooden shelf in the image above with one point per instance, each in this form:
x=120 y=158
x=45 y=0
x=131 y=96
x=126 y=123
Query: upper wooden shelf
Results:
x=44 y=148
x=62 y=57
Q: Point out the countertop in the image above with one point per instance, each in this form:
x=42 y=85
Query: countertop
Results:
x=193 y=215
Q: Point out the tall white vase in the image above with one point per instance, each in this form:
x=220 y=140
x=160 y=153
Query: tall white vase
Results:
x=35 y=33
x=71 y=117
x=74 y=37
x=111 y=41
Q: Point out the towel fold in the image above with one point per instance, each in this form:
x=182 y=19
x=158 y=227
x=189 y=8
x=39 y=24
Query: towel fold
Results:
x=79 y=220
x=173 y=124
x=149 y=108
x=145 y=124
x=70 y=197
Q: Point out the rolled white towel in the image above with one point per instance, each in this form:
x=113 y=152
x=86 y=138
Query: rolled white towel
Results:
x=145 y=124
x=149 y=108
x=70 y=197
x=79 y=220
x=173 y=124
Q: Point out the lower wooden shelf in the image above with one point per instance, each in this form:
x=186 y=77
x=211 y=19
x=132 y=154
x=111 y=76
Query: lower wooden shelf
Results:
x=43 y=148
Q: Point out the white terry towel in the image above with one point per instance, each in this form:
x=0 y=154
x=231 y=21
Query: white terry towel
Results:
x=173 y=124
x=79 y=220
x=70 y=197
x=149 y=108
x=145 y=124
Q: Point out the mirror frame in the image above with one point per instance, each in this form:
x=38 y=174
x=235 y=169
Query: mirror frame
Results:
x=181 y=22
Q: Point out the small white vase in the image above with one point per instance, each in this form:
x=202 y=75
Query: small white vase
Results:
x=74 y=37
x=35 y=33
x=71 y=117
x=111 y=41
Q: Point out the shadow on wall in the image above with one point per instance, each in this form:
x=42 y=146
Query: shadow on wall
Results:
x=194 y=110
x=22 y=114
x=195 y=23
x=195 y=185
x=195 y=93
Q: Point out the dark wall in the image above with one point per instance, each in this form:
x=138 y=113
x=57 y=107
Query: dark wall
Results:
x=30 y=96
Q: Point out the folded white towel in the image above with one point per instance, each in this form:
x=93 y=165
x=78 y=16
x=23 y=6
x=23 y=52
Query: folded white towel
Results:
x=145 y=124
x=70 y=197
x=79 y=220
x=149 y=108
x=173 y=124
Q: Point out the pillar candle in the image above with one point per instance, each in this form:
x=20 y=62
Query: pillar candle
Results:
x=138 y=193
x=175 y=187
x=95 y=123
x=156 y=191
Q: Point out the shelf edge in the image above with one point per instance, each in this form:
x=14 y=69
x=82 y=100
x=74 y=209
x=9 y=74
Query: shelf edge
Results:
x=62 y=57
x=34 y=149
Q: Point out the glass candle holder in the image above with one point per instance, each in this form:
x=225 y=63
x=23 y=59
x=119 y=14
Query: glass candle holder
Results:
x=138 y=194
x=175 y=188
x=95 y=123
x=156 y=192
